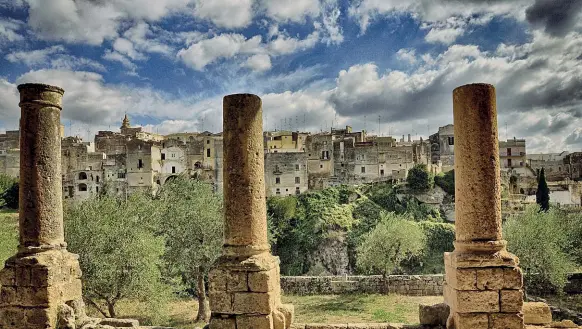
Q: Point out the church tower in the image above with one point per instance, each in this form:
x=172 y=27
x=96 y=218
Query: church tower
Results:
x=125 y=123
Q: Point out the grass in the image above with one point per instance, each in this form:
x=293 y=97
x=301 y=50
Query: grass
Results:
x=358 y=308
x=8 y=235
x=308 y=309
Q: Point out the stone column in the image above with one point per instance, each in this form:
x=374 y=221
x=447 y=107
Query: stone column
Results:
x=483 y=281
x=42 y=281
x=245 y=290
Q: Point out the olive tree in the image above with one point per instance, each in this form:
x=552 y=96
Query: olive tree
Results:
x=392 y=241
x=191 y=220
x=119 y=252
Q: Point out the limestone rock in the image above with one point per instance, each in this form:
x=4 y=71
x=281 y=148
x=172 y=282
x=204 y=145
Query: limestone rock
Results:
x=563 y=324
x=536 y=313
x=433 y=314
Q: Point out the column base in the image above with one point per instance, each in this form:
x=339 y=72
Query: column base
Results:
x=245 y=293
x=483 y=291
x=37 y=289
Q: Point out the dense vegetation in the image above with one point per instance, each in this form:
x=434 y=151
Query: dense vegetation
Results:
x=8 y=192
x=146 y=247
x=355 y=218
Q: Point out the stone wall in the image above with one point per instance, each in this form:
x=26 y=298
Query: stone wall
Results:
x=414 y=285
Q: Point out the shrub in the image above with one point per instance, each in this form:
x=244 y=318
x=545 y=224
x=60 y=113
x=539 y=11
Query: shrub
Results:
x=394 y=240
x=419 y=179
x=446 y=181
x=540 y=240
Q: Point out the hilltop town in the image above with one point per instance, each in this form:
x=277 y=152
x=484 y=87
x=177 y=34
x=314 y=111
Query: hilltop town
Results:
x=295 y=162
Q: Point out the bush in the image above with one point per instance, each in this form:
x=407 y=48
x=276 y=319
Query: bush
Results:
x=540 y=241
x=394 y=240
x=446 y=181
x=419 y=179
x=9 y=187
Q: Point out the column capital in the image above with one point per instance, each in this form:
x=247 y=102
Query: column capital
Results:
x=40 y=94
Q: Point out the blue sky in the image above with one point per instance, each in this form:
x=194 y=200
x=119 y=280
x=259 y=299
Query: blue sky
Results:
x=388 y=66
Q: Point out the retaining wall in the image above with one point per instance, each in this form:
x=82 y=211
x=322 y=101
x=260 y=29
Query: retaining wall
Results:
x=412 y=285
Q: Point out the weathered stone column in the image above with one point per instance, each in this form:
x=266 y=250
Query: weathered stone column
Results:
x=483 y=281
x=42 y=281
x=245 y=290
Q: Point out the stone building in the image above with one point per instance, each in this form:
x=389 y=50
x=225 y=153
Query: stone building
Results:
x=284 y=141
x=286 y=173
x=512 y=153
x=553 y=163
x=442 y=147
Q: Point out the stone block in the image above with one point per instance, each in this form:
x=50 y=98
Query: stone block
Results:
x=221 y=302
x=217 y=280
x=367 y=326
x=506 y=321
x=511 y=301
x=536 y=313
x=7 y=296
x=253 y=303
x=23 y=276
x=222 y=323
x=7 y=277
x=264 y=281
x=462 y=279
x=471 y=320
x=43 y=277
x=325 y=326
x=474 y=260
x=490 y=278
x=278 y=320
x=512 y=278
x=12 y=317
x=433 y=315
x=36 y=317
x=120 y=323
x=288 y=311
x=254 y=322
x=464 y=301
x=236 y=281
x=563 y=324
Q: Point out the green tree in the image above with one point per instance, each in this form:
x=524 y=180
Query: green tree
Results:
x=540 y=241
x=446 y=181
x=119 y=253
x=9 y=187
x=394 y=240
x=543 y=192
x=192 y=223
x=419 y=179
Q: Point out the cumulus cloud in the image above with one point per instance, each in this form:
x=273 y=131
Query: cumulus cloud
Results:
x=226 y=45
x=296 y=11
x=407 y=55
x=259 y=62
x=225 y=13
x=556 y=17
x=92 y=22
x=34 y=57
x=445 y=32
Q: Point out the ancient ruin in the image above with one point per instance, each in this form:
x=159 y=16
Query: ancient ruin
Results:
x=244 y=284
x=483 y=281
x=43 y=279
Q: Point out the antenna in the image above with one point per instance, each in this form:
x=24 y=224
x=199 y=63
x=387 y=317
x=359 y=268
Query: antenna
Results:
x=378 y=125
x=365 y=121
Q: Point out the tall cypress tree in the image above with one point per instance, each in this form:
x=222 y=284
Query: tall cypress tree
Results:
x=543 y=192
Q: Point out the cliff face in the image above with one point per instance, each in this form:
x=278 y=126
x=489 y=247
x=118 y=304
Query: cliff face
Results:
x=331 y=256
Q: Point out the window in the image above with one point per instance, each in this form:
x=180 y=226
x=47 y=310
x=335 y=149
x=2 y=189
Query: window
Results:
x=139 y=164
x=163 y=156
x=97 y=179
x=509 y=151
x=82 y=176
x=82 y=187
x=208 y=153
x=277 y=180
x=278 y=192
x=198 y=165
x=97 y=189
x=509 y=162
x=208 y=141
x=296 y=167
x=320 y=166
x=451 y=140
x=381 y=172
x=297 y=190
x=120 y=175
x=363 y=170
x=297 y=180
x=173 y=170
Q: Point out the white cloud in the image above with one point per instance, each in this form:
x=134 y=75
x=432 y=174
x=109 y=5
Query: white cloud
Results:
x=330 y=17
x=285 y=44
x=365 y=11
x=125 y=47
x=9 y=30
x=225 y=13
x=407 y=55
x=226 y=45
x=34 y=57
x=446 y=35
x=296 y=11
x=92 y=22
x=259 y=62
x=118 y=57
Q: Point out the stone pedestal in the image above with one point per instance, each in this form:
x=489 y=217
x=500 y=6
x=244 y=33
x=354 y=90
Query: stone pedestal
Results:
x=41 y=286
x=245 y=291
x=483 y=285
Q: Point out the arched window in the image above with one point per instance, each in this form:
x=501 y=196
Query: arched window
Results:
x=82 y=175
x=198 y=165
x=82 y=187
